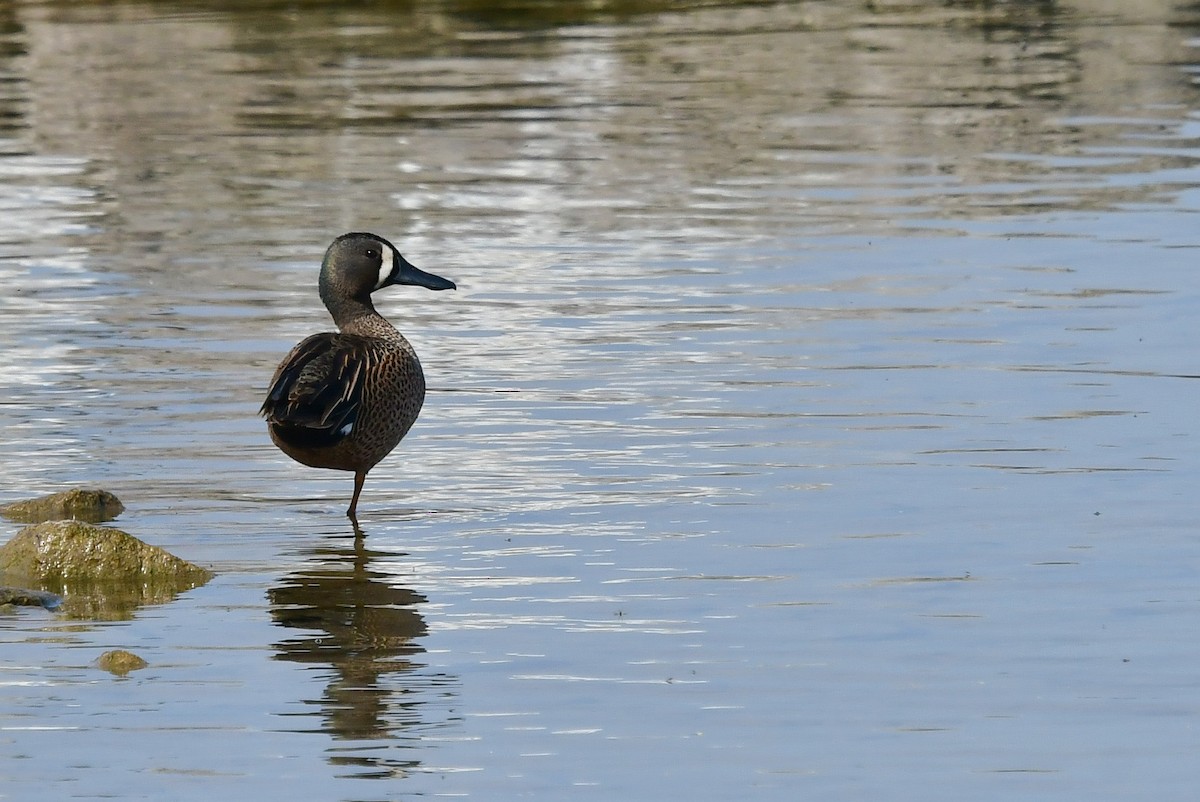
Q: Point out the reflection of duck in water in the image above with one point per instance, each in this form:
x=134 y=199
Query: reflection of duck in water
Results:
x=345 y=399
x=360 y=625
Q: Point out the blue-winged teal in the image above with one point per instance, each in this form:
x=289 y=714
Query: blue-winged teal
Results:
x=343 y=400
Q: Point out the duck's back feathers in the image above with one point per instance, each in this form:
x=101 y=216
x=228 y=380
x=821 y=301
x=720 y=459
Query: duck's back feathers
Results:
x=316 y=392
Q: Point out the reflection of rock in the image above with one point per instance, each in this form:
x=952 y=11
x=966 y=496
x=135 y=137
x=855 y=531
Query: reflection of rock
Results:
x=101 y=572
x=120 y=662
x=362 y=626
x=93 y=506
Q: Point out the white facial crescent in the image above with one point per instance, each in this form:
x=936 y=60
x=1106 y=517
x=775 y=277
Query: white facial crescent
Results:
x=388 y=260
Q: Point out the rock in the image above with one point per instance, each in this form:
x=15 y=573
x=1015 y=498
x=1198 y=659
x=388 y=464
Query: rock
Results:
x=102 y=572
x=92 y=506
x=23 y=597
x=120 y=662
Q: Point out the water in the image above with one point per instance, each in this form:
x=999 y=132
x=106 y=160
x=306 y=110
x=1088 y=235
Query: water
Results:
x=814 y=418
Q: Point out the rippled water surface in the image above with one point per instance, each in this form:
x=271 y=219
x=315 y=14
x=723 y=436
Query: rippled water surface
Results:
x=815 y=417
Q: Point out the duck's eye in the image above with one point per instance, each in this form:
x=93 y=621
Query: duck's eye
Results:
x=371 y=253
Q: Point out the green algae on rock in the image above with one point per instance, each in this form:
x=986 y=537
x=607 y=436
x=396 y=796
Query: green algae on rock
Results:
x=120 y=662
x=102 y=572
x=93 y=506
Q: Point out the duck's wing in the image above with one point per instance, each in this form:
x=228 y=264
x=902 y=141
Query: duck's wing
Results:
x=317 y=390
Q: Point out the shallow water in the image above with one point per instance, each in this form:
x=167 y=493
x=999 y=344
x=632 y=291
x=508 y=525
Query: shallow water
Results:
x=814 y=418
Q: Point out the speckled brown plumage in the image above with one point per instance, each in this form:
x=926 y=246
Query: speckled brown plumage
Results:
x=344 y=400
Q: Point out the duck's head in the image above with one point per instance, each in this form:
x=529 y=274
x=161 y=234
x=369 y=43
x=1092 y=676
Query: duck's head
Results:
x=357 y=264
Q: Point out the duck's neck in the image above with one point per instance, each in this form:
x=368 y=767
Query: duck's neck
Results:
x=354 y=316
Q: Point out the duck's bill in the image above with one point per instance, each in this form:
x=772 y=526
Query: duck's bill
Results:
x=419 y=278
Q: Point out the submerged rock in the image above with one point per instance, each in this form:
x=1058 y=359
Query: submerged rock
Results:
x=23 y=597
x=100 y=571
x=93 y=506
x=120 y=662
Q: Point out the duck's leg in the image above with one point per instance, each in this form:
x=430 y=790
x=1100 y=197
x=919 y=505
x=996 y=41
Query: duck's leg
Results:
x=359 y=478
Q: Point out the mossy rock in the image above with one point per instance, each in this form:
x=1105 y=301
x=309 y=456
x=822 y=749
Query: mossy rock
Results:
x=92 y=506
x=102 y=572
x=120 y=662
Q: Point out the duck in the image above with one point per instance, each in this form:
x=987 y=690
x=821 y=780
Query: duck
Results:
x=344 y=399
